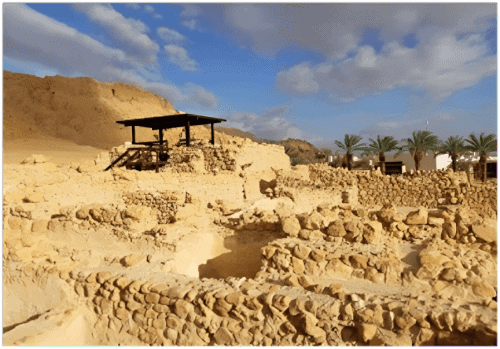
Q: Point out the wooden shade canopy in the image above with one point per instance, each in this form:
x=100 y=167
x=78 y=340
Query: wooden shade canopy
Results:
x=161 y=123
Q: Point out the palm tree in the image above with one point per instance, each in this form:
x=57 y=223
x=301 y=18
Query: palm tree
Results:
x=350 y=145
x=483 y=146
x=421 y=142
x=454 y=146
x=381 y=146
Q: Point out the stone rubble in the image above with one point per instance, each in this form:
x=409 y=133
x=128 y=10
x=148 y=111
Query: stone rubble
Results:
x=335 y=269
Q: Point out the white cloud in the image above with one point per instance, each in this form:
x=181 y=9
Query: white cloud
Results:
x=32 y=37
x=179 y=56
x=152 y=11
x=334 y=29
x=191 y=10
x=191 y=24
x=57 y=48
x=273 y=128
x=276 y=111
x=201 y=96
x=389 y=125
x=129 y=33
x=366 y=57
x=441 y=63
x=170 y=35
x=441 y=66
x=300 y=79
x=444 y=116
x=133 y=6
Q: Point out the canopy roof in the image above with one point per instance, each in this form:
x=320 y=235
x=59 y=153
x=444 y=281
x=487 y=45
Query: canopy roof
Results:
x=171 y=121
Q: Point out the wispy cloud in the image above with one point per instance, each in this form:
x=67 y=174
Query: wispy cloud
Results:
x=33 y=37
x=451 y=51
x=133 y=6
x=129 y=33
x=179 y=56
x=170 y=35
x=334 y=29
x=275 y=128
x=276 y=111
x=191 y=24
x=442 y=66
x=152 y=11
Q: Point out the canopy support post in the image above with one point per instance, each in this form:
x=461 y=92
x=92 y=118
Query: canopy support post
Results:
x=188 y=143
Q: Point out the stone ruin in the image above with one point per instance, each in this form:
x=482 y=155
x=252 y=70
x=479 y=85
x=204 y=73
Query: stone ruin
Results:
x=221 y=248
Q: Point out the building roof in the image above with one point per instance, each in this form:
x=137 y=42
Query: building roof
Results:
x=171 y=121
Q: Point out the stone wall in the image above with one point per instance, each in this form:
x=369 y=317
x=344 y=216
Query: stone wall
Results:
x=423 y=188
x=293 y=258
x=428 y=189
x=240 y=312
x=218 y=159
x=165 y=204
x=185 y=159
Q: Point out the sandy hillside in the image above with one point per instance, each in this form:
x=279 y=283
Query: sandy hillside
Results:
x=81 y=110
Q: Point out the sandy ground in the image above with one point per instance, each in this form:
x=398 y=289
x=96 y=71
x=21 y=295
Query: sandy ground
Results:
x=60 y=151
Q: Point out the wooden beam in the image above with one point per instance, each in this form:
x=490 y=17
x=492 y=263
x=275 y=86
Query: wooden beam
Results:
x=133 y=134
x=188 y=143
x=213 y=135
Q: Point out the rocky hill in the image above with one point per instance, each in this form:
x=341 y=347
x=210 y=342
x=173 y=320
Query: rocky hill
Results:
x=299 y=151
x=80 y=110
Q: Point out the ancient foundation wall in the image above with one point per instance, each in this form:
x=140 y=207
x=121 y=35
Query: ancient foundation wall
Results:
x=239 y=312
x=253 y=314
x=423 y=188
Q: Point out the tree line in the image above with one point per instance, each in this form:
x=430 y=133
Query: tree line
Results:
x=420 y=143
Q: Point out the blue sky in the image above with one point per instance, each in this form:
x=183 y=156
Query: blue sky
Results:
x=313 y=72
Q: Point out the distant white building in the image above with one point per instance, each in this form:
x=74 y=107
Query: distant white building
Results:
x=430 y=163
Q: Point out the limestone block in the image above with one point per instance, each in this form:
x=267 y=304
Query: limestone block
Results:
x=290 y=226
x=484 y=289
x=336 y=267
x=15 y=222
x=336 y=229
x=358 y=261
x=132 y=260
x=417 y=217
x=103 y=277
x=137 y=213
x=39 y=226
x=152 y=297
x=314 y=221
x=183 y=308
x=301 y=251
x=223 y=337
x=486 y=231
x=450 y=229
x=367 y=331
x=372 y=231
x=298 y=265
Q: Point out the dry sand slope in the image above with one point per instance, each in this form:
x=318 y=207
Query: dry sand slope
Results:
x=81 y=110
x=228 y=244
